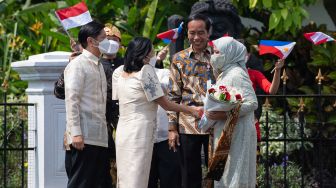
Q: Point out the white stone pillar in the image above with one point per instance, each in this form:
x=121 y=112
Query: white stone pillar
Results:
x=46 y=121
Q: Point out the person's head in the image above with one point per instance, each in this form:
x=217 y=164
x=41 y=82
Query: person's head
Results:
x=228 y=52
x=223 y=15
x=114 y=36
x=139 y=52
x=112 y=32
x=198 y=31
x=91 y=36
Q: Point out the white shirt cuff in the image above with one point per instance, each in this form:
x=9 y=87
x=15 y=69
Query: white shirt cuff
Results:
x=76 y=130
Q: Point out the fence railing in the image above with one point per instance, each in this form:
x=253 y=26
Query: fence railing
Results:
x=14 y=143
x=298 y=149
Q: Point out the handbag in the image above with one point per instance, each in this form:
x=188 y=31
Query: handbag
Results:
x=59 y=91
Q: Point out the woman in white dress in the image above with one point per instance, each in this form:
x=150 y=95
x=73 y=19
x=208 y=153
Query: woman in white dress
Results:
x=229 y=60
x=139 y=92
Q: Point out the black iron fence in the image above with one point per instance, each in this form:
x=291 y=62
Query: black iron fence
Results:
x=14 y=143
x=298 y=146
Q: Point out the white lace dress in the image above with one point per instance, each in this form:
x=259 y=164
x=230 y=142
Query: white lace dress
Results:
x=136 y=126
x=240 y=168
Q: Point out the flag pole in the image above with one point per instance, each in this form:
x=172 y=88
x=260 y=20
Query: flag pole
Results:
x=275 y=67
x=167 y=47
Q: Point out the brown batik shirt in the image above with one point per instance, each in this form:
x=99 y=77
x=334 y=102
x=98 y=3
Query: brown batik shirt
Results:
x=189 y=74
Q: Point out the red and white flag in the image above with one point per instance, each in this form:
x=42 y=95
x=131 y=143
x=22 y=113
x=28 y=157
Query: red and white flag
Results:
x=74 y=16
x=318 y=37
x=170 y=35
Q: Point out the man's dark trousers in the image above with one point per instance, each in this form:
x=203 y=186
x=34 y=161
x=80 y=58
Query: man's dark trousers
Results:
x=191 y=160
x=165 y=167
x=88 y=168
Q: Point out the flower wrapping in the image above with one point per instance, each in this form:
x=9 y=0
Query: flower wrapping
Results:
x=218 y=98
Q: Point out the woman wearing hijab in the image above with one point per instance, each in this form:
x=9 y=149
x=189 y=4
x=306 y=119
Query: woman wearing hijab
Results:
x=228 y=62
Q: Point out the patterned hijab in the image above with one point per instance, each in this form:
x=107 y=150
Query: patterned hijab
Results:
x=232 y=54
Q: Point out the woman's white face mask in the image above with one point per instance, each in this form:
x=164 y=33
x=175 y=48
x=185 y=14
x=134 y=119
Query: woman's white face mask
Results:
x=217 y=62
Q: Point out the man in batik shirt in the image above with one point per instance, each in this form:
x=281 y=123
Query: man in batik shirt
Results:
x=190 y=73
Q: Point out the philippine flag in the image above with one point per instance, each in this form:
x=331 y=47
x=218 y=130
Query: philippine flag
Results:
x=279 y=48
x=318 y=37
x=170 y=35
x=74 y=16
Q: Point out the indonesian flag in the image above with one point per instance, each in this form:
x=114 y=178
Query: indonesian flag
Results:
x=74 y=16
x=318 y=37
x=279 y=48
x=170 y=35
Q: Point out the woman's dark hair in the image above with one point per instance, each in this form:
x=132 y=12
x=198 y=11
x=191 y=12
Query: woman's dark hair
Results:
x=91 y=29
x=137 y=51
x=200 y=17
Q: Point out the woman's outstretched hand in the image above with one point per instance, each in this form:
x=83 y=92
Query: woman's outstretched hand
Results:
x=197 y=111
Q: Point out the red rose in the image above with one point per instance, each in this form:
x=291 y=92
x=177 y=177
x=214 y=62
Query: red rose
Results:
x=200 y=113
x=211 y=90
x=222 y=88
x=227 y=96
x=238 y=97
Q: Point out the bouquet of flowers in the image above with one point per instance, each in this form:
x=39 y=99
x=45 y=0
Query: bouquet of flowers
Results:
x=218 y=98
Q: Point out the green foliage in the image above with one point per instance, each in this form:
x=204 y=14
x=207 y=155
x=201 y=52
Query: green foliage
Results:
x=28 y=28
x=16 y=124
x=147 y=18
x=276 y=175
x=150 y=18
x=282 y=21
x=276 y=131
x=324 y=56
x=279 y=16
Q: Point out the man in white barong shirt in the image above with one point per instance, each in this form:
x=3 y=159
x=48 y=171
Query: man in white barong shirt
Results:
x=87 y=162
